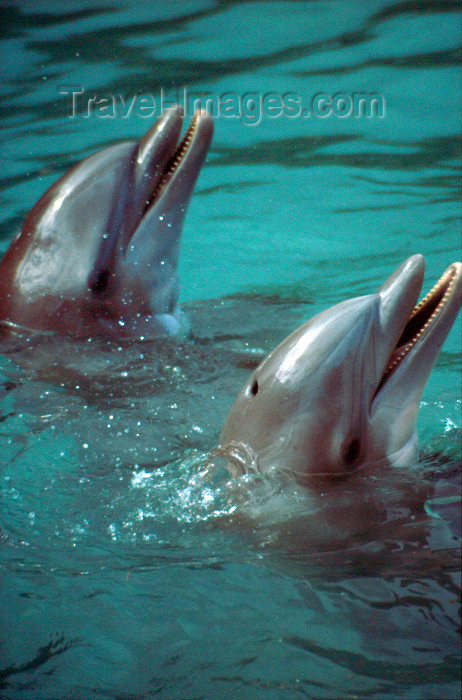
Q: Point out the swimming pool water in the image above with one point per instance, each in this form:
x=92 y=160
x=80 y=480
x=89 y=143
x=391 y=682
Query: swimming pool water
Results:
x=124 y=573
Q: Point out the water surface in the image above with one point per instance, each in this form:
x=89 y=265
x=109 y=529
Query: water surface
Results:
x=125 y=574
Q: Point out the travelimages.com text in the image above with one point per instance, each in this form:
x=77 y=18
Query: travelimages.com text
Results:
x=250 y=107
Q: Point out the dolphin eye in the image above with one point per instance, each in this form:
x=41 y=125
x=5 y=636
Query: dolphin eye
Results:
x=351 y=453
x=253 y=389
x=99 y=285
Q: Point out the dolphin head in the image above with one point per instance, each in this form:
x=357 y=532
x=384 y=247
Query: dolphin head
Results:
x=99 y=251
x=343 y=390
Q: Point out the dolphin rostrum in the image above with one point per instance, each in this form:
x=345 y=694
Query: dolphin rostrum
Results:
x=98 y=253
x=343 y=390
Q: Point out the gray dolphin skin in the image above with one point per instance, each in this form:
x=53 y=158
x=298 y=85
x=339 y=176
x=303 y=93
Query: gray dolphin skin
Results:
x=343 y=390
x=98 y=253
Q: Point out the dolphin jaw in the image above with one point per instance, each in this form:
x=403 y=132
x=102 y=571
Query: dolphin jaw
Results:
x=423 y=318
x=183 y=158
x=149 y=224
x=174 y=162
x=152 y=248
x=143 y=275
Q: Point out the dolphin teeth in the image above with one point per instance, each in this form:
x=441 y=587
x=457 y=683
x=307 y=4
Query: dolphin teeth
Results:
x=422 y=317
x=175 y=160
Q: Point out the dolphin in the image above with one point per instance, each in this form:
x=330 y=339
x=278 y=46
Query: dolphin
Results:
x=343 y=390
x=98 y=253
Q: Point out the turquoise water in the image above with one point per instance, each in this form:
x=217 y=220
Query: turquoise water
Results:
x=124 y=573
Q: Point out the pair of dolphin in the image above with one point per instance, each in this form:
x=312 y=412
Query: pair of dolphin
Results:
x=98 y=254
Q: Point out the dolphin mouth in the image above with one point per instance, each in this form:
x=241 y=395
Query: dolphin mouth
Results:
x=173 y=163
x=142 y=237
x=424 y=316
